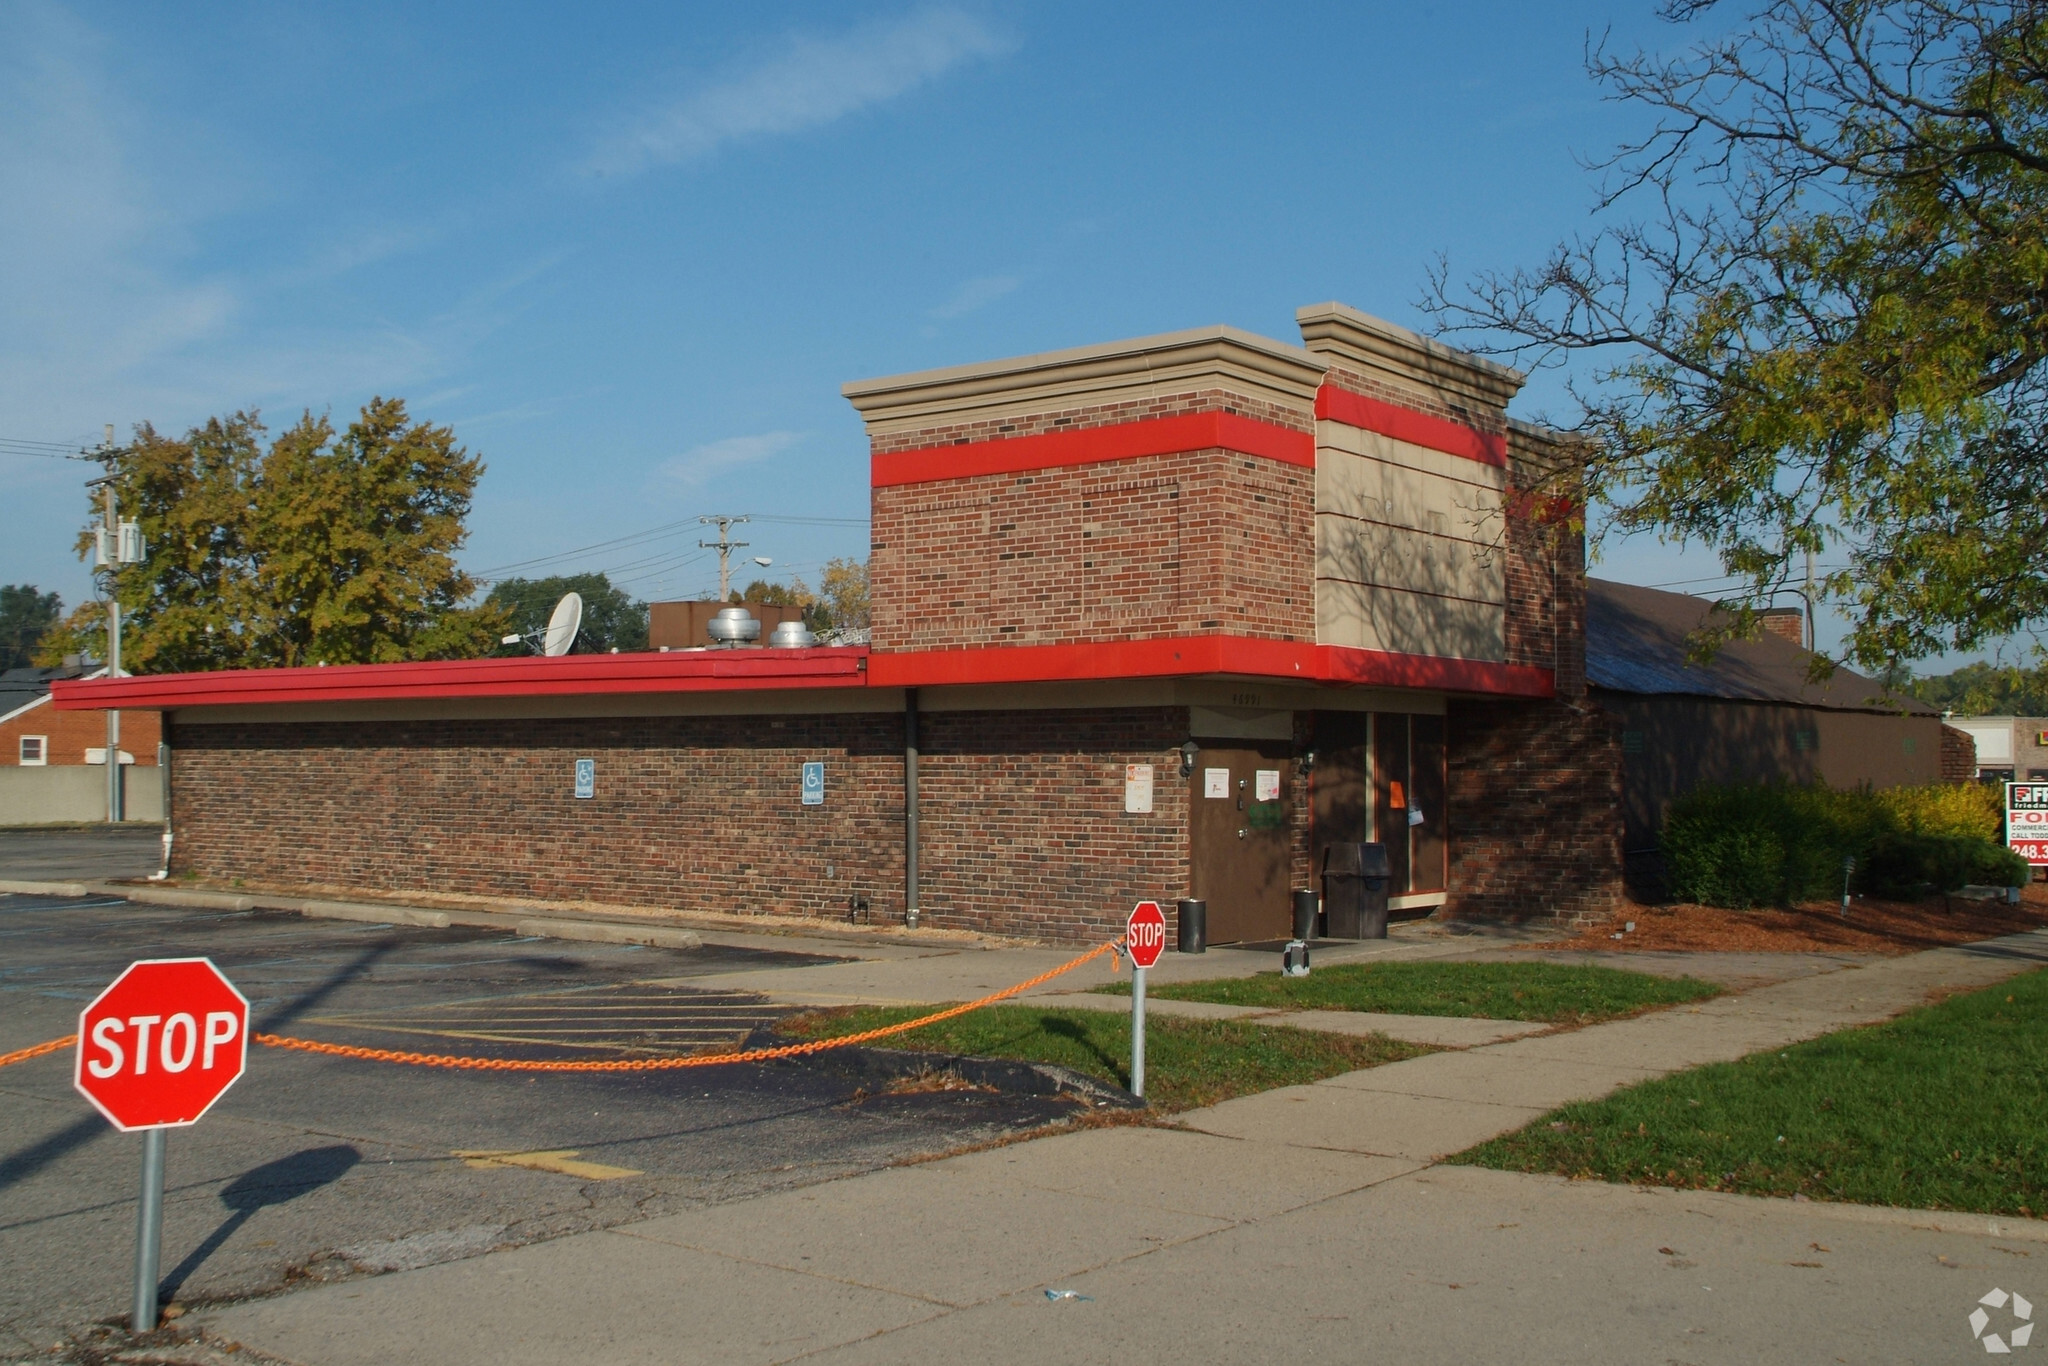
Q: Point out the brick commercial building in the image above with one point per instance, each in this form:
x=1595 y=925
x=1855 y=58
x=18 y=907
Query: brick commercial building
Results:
x=1152 y=619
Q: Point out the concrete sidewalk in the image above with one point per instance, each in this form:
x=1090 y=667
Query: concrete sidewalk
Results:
x=1304 y=1224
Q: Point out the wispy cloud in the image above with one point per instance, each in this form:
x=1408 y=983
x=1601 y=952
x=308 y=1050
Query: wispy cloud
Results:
x=976 y=293
x=815 y=81
x=701 y=463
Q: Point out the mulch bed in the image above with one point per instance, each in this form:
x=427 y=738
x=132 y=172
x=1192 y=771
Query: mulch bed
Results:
x=1872 y=926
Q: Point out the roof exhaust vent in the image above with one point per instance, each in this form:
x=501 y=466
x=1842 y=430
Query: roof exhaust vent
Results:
x=791 y=635
x=733 y=627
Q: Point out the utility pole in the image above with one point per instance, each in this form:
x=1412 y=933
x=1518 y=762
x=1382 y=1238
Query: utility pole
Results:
x=115 y=543
x=1812 y=632
x=724 y=548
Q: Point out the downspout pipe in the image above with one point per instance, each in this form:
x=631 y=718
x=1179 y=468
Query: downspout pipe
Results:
x=910 y=907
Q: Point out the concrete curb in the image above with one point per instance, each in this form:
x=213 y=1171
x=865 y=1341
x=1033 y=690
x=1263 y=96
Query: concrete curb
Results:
x=45 y=888
x=589 y=931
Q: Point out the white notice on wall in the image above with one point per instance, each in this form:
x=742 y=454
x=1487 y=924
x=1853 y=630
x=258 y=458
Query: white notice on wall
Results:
x=1138 y=789
x=1266 y=785
x=1216 y=782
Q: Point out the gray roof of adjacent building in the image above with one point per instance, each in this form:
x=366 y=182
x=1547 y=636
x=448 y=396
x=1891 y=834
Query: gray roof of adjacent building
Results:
x=1638 y=641
x=20 y=687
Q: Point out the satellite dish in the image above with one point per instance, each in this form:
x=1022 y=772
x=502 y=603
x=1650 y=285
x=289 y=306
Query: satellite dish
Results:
x=563 y=625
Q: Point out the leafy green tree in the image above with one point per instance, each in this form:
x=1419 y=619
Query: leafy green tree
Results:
x=612 y=618
x=792 y=594
x=1822 y=280
x=1985 y=690
x=25 y=615
x=843 y=595
x=321 y=548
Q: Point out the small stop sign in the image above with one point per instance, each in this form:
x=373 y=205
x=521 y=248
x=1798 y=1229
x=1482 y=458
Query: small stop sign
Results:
x=1145 y=934
x=158 y=1047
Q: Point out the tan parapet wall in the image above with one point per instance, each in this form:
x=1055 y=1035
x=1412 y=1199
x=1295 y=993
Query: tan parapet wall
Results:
x=1372 y=349
x=932 y=403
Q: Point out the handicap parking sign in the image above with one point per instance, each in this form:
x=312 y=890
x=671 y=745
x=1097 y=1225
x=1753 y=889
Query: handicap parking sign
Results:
x=814 y=784
x=586 y=778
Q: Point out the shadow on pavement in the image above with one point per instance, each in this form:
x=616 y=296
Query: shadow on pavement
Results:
x=18 y=1167
x=273 y=1183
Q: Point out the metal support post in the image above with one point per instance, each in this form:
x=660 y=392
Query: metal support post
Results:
x=149 y=1229
x=910 y=907
x=1138 y=1032
x=114 y=811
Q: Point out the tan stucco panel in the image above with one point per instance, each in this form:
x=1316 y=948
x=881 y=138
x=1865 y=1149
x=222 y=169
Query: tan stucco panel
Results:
x=1368 y=617
x=1407 y=548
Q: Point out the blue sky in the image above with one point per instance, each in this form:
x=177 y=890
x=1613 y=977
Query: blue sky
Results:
x=631 y=252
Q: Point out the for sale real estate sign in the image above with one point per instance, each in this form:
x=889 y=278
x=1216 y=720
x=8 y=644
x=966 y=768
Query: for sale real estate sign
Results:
x=2026 y=820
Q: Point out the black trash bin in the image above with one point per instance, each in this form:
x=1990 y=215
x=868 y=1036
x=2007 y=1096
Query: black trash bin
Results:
x=1355 y=881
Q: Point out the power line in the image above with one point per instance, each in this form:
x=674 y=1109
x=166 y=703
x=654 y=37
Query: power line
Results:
x=635 y=538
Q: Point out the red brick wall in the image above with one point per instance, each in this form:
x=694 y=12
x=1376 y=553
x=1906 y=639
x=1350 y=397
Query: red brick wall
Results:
x=698 y=813
x=71 y=733
x=1023 y=827
x=1189 y=544
x=1535 y=811
x=1958 y=756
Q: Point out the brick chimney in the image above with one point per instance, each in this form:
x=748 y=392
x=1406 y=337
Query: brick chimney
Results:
x=1789 y=622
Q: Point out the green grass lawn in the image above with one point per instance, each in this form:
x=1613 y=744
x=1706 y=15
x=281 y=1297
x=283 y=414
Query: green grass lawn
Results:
x=1557 y=993
x=1188 y=1063
x=1944 y=1108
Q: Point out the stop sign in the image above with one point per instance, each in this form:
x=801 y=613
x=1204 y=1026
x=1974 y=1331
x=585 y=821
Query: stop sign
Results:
x=159 y=1046
x=1145 y=935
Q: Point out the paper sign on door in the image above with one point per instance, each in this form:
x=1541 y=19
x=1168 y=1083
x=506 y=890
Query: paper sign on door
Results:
x=1266 y=785
x=1216 y=782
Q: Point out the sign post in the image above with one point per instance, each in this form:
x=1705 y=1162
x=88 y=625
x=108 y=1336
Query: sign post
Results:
x=156 y=1049
x=1145 y=940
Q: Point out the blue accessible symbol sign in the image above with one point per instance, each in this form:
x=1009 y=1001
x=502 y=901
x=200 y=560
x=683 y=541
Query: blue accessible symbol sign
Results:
x=586 y=778
x=814 y=783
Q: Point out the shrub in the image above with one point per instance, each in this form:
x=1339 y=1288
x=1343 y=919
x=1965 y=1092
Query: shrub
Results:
x=1966 y=810
x=1747 y=844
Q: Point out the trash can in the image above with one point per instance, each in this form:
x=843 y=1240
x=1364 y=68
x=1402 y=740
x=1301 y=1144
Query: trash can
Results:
x=1355 y=880
x=1194 y=926
x=1305 y=909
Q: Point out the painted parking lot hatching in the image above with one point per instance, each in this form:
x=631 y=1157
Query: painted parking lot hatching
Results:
x=626 y=1018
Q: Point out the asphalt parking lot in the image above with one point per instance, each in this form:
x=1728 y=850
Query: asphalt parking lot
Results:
x=316 y=1168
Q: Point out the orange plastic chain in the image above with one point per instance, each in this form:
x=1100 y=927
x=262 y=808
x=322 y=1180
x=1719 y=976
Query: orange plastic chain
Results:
x=24 y=1054
x=621 y=1064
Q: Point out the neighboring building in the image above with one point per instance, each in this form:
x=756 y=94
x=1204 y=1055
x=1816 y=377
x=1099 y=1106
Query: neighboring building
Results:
x=52 y=760
x=2009 y=748
x=1750 y=714
x=1151 y=619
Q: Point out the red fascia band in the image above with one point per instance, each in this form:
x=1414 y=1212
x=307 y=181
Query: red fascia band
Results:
x=1184 y=656
x=1405 y=424
x=530 y=676
x=1092 y=445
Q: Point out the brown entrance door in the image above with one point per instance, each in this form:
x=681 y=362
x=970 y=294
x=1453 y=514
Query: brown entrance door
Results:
x=1240 y=846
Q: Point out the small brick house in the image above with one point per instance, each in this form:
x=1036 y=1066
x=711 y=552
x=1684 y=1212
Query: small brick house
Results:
x=46 y=752
x=1152 y=619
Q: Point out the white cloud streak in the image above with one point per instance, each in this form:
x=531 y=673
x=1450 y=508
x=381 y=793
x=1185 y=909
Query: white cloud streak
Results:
x=815 y=82
x=702 y=463
x=976 y=293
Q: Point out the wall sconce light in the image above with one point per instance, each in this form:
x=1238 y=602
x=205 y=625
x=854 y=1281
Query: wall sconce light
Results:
x=1308 y=760
x=1188 y=750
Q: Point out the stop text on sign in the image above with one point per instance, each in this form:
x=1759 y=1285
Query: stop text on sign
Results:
x=1145 y=934
x=162 y=1043
x=177 y=1041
